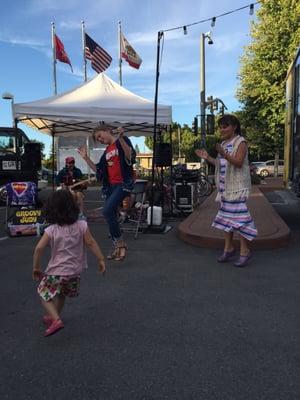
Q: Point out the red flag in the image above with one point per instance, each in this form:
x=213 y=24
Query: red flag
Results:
x=61 y=54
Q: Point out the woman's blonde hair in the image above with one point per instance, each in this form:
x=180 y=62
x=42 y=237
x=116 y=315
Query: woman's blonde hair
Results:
x=101 y=128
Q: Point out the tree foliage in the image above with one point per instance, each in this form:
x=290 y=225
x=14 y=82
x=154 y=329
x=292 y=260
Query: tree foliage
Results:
x=48 y=162
x=187 y=139
x=275 y=38
x=42 y=147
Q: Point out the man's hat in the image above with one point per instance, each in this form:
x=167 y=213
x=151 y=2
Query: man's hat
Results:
x=70 y=159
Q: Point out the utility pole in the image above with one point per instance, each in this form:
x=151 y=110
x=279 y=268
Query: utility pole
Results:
x=179 y=138
x=202 y=89
x=202 y=85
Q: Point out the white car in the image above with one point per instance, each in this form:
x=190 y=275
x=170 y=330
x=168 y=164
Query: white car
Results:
x=267 y=168
x=42 y=184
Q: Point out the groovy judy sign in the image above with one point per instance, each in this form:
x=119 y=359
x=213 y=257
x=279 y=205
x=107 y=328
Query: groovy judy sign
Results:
x=27 y=217
x=26 y=222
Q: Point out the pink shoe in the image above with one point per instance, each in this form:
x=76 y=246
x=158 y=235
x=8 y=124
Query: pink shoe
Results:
x=55 y=326
x=47 y=320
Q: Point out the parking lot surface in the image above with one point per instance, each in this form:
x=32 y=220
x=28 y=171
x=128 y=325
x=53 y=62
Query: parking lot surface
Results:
x=168 y=322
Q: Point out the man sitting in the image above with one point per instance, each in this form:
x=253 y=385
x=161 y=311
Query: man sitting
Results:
x=68 y=176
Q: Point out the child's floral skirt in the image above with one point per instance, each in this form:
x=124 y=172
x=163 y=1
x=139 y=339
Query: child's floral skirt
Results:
x=53 y=285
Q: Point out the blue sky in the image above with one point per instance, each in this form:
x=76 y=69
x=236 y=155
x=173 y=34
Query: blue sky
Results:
x=26 y=55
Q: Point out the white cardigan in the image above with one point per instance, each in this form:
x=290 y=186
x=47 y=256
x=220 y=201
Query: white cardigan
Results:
x=237 y=180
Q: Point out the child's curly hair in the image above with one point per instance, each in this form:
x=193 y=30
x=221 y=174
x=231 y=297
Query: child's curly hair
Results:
x=61 y=208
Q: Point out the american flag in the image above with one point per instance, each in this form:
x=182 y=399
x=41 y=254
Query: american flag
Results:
x=100 y=59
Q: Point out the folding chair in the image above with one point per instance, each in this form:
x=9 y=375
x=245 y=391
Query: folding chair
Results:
x=21 y=217
x=137 y=211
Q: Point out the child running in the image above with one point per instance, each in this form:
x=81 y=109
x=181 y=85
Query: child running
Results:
x=68 y=238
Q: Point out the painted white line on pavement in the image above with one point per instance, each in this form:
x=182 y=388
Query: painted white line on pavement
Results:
x=4 y=237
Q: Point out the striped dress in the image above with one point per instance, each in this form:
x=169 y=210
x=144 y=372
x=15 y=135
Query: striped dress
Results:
x=233 y=215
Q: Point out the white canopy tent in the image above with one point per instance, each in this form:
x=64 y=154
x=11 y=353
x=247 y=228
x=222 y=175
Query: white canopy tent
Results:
x=98 y=101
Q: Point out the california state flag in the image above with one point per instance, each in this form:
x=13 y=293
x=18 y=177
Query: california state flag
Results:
x=128 y=52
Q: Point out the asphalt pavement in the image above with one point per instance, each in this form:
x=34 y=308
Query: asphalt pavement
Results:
x=168 y=322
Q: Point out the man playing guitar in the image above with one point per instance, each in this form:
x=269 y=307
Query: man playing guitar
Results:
x=69 y=174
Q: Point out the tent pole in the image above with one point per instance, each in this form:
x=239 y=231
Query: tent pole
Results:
x=53 y=161
x=17 y=147
x=88 y=153
x=159 y=36
x=171 y=169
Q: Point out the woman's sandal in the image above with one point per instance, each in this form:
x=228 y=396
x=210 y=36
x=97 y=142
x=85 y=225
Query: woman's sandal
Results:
x=122 y=251
x=113 y=254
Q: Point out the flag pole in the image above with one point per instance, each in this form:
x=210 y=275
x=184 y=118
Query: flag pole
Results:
x=120 y=57
x=54 y=57
x=83 y=50
x=87 y=141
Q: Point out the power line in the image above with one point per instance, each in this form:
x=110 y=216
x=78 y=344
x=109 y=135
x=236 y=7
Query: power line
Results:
x=214 y=18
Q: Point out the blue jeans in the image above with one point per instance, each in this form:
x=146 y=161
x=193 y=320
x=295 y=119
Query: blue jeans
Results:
x=114 y=196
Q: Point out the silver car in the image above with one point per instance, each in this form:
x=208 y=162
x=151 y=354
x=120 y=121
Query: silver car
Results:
x=267 y=168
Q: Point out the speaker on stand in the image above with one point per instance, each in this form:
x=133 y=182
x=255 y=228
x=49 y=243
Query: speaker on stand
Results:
x=163 y=155
x=162 y=158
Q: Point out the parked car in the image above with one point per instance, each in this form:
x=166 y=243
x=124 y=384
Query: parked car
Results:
x=267 y=168
x=44 y=173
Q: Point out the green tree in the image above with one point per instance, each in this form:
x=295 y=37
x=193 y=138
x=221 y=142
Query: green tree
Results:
x=275 y=38
x=42 y=147
x=188 y=142
x=252 y=129
x=48 y=162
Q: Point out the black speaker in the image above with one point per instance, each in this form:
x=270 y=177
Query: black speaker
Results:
x=184 y=196
x=32 y=156
x=163 y=155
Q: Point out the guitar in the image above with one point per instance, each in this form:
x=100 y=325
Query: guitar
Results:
x=85 y=183
x=77 y=185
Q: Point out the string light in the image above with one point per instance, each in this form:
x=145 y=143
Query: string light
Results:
x=213 y=19
x=185 y=30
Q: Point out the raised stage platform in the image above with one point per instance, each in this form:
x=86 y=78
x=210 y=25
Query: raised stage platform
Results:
x=272 y=230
